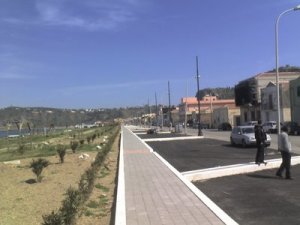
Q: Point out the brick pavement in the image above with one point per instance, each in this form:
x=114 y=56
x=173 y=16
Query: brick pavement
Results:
x=153 y=193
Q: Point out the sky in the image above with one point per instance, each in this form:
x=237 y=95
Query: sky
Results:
x=121 y=53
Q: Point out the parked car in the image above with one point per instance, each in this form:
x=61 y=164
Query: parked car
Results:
x=151 y=131
x=203 y=126
x=270 y=127
x=244 y=135
x=250 y=123
x=292 y=128
x=225 y=126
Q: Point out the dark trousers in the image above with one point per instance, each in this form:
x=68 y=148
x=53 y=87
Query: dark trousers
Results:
x=286 y=164
x=260 y=154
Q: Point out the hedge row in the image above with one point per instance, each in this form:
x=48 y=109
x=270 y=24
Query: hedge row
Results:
x=75 y=198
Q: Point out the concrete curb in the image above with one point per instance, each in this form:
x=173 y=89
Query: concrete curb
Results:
x=173 y=138
x=222 y=171
x=120 y=217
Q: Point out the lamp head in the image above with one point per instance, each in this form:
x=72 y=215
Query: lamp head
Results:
x=297 y=7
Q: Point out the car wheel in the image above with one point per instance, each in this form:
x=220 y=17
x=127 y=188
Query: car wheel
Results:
x=232 y=142
x=244 y=143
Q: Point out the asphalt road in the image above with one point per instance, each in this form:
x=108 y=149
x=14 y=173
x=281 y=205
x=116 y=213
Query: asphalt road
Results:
x=187 y=155
x=258 y=198
x=225 y=136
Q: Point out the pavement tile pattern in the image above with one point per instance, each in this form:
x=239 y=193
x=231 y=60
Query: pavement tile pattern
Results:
x=154 y=194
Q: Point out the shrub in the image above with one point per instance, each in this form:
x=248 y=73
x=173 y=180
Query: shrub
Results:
x=94 y=137
x=53 y=219
x=38 y=166
x=92 y=204
x=86 y=183
x=101 y=187
x=70 y=206
x=81 y=141
x=88 y=213
x=21 y=149
x=61 y=150
x=74 y=145
x=88 y=139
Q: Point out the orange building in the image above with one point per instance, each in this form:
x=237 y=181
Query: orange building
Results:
x=189 y=107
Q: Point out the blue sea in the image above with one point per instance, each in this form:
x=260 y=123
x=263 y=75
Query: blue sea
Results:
x=4 y=133
x=12 y=132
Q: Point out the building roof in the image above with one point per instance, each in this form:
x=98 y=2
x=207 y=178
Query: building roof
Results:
x=271 y=74
x=193 y=100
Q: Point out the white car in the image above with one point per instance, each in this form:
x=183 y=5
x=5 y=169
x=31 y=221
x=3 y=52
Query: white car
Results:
x=244 y=135
x=270 y=127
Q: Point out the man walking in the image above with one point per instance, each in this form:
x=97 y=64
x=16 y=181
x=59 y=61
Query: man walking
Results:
x=260 y=137
x=284 y=147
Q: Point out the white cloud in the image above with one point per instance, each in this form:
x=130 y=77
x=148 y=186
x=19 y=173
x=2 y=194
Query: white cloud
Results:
x=90 y=15
x=12 y=66
x=81 y=88
x=14 y=76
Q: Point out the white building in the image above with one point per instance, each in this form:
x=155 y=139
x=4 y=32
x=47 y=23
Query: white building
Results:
x=269 y=102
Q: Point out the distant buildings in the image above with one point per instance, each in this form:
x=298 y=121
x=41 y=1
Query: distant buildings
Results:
x=208 y=104
x=295 y=100
x=255 y=106
x=255 y=99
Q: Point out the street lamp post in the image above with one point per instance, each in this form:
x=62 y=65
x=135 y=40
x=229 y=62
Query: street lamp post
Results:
x=277 y=65
x=198 y=99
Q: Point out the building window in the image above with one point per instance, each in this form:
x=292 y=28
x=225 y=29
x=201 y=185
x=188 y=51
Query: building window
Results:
x=270 y=102
x=267 y=116
x=298 y=91
x=252 y=115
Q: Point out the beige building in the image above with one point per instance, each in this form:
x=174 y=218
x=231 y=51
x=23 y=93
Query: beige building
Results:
x=248 y=93
x=269 y=102
x=295 y=100
x=189 y=108
x=226 y=115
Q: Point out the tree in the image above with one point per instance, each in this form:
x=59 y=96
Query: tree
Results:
x=222 y=93
x=74 y=145
x=286 y=68
x=38 y=166
x=61 y=150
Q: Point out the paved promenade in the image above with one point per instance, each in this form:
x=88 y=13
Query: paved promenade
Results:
x=150 y=192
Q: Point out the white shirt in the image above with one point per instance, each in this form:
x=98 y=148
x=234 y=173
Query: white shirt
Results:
x=283 y=142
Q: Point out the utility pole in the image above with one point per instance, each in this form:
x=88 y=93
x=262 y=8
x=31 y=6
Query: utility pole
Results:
x=156 y=111
x=170 y=118
x=149 y=113
x=185 y=109
x=198 y=99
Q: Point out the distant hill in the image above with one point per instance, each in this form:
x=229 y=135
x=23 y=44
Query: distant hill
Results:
x=221 y=92
x=46 y=117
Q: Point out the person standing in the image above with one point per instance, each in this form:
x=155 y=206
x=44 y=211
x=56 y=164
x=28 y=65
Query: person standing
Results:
x=284 y=146
x=260 y=137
